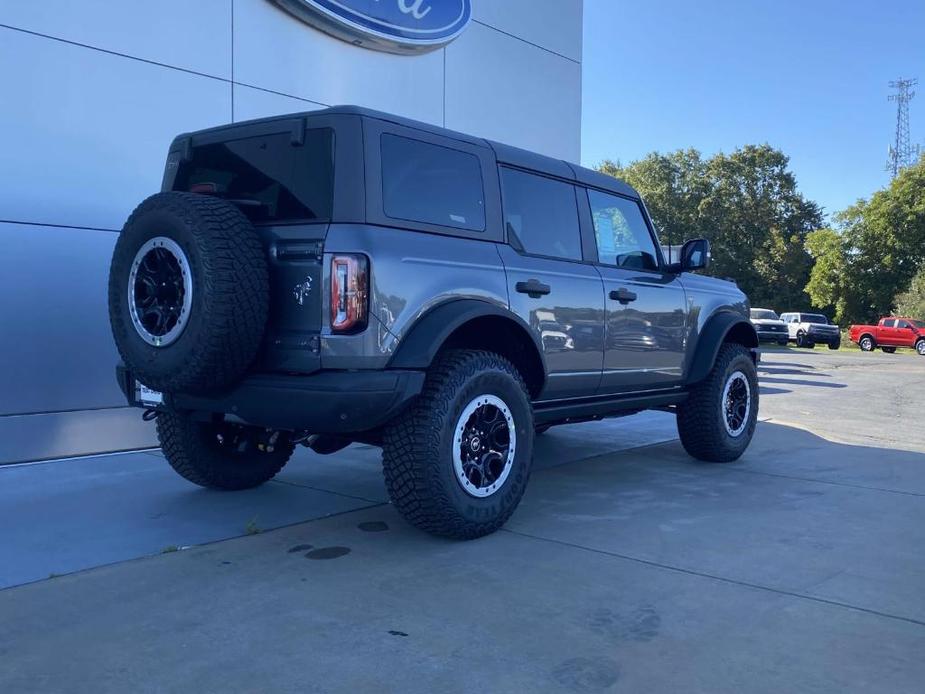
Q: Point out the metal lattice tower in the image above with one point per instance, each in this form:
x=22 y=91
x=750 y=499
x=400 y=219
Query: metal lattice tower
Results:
x=902 y=152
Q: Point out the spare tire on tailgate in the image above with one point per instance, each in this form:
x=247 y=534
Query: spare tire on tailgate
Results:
x=188 y=293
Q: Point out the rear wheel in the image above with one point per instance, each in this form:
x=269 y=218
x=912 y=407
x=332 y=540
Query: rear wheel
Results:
x=717 y=421
x=835 y=345
x=889 y=350
x=867 y=343
x=456 y=464
x=783 y=342
x=221 y=455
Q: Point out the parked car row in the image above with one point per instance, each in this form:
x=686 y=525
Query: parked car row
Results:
x=805 y=329
x=808 y=329
x=889 y=333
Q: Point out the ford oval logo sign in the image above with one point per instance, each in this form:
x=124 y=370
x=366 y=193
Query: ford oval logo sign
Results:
x=396 y=26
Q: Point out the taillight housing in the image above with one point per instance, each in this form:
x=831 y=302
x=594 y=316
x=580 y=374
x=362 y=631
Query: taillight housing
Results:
x=349 y=293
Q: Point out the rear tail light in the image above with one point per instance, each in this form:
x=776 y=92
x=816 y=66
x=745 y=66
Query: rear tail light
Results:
x=349 y=293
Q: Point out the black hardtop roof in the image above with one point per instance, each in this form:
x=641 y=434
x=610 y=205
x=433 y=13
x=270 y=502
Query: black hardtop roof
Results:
x=505 y=154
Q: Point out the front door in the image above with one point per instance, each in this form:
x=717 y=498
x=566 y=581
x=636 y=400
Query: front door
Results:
x=646 y=324
x=559 y=296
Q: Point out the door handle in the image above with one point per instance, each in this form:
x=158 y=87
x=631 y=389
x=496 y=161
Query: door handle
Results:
x=623 y=295
x=533 y=288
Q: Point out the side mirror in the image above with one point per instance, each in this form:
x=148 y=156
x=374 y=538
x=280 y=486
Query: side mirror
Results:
x=695 y=255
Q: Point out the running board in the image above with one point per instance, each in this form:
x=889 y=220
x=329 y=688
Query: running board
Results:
x=598 y=407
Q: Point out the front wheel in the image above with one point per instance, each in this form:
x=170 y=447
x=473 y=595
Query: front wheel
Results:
x=457 y=462
x=221 y=455
x=867 y=344
x=834 y=345
x=783 y=343
x=801 y=339
x=920 y=347
x=717 y=421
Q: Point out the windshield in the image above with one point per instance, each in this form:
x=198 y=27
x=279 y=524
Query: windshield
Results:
x=763 y=314
x=814 y=318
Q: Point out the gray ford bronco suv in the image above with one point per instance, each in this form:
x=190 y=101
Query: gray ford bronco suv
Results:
x=347 y=276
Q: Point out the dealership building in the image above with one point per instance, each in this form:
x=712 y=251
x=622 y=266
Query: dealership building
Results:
x=92 y=93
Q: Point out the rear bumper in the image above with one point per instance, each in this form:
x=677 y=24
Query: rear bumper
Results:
x=325 y=402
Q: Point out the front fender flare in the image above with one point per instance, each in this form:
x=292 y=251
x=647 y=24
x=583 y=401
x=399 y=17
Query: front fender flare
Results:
x=717 y=328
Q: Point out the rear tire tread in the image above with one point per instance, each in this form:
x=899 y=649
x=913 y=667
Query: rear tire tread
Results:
x=411 y=452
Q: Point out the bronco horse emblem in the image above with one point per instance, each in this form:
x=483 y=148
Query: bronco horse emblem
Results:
x=302 y=290
x=395 y=26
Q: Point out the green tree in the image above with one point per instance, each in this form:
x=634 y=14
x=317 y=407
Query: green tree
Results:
x=881 y=248
x=911 y=303
x=746 y=203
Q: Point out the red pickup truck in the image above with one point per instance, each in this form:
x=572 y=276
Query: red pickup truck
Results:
x=889 y=334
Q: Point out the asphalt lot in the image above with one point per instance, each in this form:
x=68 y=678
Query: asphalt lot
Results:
x=628 y=567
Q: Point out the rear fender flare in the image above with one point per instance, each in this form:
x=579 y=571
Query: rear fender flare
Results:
x=420 y=345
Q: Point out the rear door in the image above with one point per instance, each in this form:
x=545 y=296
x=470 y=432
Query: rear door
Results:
x=905 y=335
x=646 y=307
x=886 y=333
x=559 y=296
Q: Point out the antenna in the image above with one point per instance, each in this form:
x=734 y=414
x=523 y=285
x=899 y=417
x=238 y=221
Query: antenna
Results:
x=902 y=152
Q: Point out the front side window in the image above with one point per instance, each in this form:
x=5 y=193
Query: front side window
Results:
x=903 y=324
x=275 y=180
x=428 y=183
x=623 y=238
x=542 y=213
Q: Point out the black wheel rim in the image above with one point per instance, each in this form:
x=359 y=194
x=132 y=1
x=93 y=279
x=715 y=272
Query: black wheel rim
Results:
x=483 y=446
x=160 y=291
x=736 y=403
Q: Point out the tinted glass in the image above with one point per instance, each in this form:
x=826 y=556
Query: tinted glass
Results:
x=814 y=318
x=283 y=182
x=623 y=239
x=889 y=323
x=918 y=323
x=542 y=213
x=902 y=324
x=427 y=183
x=763 y=314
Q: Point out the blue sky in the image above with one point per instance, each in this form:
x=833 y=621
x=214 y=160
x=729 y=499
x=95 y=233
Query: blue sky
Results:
x=807 y=77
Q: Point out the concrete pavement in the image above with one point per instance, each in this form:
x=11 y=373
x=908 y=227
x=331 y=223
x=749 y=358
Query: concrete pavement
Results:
x=626 y=568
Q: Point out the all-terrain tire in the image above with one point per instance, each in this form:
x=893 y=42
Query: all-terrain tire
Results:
x=417 y=453
x=229 y=297
x=702 y=417
x=195 y=450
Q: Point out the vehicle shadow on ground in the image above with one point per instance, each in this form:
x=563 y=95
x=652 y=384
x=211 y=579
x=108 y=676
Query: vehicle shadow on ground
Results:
x=799 y=382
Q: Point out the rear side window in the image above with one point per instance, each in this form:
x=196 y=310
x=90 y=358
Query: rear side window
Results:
x=280 y=181
x=542 y=213
x=623 y=239
x=428 y=183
